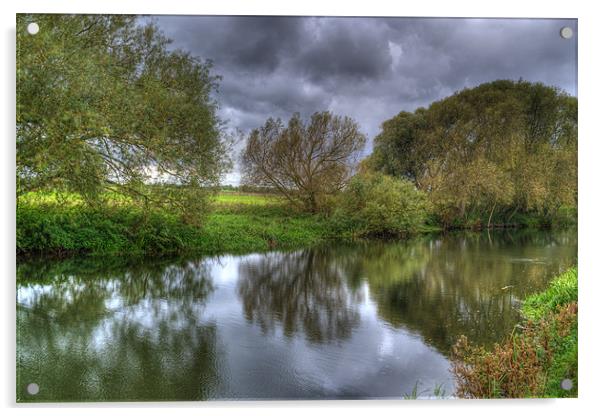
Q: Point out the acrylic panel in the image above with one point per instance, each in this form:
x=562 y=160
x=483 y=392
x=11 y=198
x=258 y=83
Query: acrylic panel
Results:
x=286 y=207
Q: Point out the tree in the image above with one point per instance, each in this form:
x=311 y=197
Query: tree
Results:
x=102 y=103
x=496 y=149
x=305 y=162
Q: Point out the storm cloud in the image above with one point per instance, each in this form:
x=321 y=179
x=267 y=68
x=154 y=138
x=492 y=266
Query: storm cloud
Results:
x=366 y=68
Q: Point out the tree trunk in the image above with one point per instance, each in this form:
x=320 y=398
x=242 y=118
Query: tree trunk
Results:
x=490 y=215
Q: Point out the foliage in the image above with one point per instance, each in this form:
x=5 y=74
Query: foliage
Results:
x=67 y=225
x=85 y=229
x=503 y=147
x=413 y=395
x=305 y=162
x=380 y=205
x=532 y=362
x=438 y=392
x=103 y=102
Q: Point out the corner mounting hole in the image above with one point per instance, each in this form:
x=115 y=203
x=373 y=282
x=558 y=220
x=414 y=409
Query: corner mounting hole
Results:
x=33 y=28
x=33 y=389
x=566 y=32
x=566 y=384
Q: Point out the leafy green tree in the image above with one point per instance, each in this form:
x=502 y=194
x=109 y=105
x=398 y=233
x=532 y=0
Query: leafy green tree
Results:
x=103 y=103
x=491 y=151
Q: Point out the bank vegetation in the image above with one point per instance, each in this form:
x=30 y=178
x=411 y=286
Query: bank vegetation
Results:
x=110 y=116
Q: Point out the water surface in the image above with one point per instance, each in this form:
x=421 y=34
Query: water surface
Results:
x=362 y=320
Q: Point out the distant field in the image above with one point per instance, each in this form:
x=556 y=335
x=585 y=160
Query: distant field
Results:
x=228 y=198
x=223 y=198
x=65 y=199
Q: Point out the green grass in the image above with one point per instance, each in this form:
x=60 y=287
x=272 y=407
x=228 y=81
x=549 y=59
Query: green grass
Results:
x=58 y=223
x=65 y=199
x=234 y=198
x=564 y=363
x=49 y=223
x=561 y=291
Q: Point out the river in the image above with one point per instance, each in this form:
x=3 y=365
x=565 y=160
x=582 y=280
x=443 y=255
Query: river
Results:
x=363 y=320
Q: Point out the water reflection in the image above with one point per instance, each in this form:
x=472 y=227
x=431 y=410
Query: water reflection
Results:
x=128 y=333
x=471 y=284
x=346 y=321
x=303 y=291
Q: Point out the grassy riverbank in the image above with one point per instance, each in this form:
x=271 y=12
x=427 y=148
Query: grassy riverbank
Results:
x=239 y=223
x=534 y=360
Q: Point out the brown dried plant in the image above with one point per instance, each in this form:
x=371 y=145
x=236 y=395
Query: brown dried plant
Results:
x=516 y=367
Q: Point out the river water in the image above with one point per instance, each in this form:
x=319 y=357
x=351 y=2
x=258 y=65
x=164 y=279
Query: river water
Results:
x=362 y=320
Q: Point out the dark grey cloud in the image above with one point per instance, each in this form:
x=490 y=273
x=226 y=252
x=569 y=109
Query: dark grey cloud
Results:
x=367 y=68
x=348 y=50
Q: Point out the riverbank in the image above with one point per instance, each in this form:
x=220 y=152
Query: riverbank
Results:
x=238 y=223
x=539 y=359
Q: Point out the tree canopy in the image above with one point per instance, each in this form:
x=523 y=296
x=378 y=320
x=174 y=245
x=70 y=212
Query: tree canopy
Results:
x=103 y=102
x=503 y=146
x=306 y=161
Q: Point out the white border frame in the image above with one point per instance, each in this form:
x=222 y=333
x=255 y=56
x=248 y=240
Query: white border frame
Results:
x=590 y=93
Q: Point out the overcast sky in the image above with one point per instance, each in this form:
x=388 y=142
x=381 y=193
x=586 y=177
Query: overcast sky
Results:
x=366 y=68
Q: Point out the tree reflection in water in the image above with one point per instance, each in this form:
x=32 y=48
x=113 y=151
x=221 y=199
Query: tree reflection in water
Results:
x=132 y=332
x=466 y=283
x=439 y=286
x=304 y=292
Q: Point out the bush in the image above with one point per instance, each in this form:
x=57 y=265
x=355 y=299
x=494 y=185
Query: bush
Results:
x=374 y=204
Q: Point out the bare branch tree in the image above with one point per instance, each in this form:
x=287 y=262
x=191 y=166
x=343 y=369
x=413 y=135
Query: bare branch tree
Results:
x=305 y=162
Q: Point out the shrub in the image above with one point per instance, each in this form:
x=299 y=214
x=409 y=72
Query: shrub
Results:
x=374 y=204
